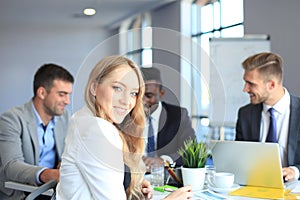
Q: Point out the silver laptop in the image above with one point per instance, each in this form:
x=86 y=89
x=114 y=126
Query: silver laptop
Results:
x=253 y=163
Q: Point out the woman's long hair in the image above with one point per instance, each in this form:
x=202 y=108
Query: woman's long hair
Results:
x=131 y=129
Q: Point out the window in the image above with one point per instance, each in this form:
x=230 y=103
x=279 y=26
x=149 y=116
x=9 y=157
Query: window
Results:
x=217 y=20
x=136 y=39
x=221 y=18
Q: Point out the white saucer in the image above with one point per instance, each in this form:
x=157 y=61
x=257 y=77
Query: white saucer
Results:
x=224 y=190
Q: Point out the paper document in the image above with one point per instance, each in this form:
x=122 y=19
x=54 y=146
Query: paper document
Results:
x=259 y=192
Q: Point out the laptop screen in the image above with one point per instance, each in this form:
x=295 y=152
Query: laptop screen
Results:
x=253 y=163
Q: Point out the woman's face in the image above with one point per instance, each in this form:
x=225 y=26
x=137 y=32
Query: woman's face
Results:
x=117 y=93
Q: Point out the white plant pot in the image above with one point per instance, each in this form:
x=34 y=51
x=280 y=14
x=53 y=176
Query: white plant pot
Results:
x=194 y=177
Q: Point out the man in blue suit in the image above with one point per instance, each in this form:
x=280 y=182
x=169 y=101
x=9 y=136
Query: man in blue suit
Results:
x=32 y=135
x=171 y=123
x=263 y=76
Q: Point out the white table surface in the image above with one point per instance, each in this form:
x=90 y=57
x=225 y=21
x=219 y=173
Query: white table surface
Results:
x=160 y=195
x=157 y=195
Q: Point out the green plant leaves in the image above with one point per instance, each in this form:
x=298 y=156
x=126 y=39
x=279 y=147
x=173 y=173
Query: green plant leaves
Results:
x=193 y=154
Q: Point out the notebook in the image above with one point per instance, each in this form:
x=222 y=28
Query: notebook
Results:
x=253 y=163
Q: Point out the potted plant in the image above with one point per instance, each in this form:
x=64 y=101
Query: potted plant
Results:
x=194 y=155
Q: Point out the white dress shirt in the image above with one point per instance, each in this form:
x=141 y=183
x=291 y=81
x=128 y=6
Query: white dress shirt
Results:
x=155 y=123
x=282 y=115
x=92 y=163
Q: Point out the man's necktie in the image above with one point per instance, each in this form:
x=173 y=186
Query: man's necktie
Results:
x=151 y=142
x=272 y=133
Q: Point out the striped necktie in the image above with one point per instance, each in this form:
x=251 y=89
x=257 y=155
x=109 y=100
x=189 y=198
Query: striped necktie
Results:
x=151 y=142
x=272 y=133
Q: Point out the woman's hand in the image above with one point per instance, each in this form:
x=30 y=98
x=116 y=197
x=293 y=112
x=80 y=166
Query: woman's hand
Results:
x=147 y=190
x=180 y=194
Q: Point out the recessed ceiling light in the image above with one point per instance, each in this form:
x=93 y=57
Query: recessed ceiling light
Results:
x=89 y=11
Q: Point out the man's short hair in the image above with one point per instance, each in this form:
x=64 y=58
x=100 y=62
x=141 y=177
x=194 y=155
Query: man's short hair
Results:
x=47 y=73
x=151 y=74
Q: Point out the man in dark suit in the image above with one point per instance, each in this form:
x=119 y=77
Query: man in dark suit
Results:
x=263 y=75
x=171 y=123
x=32 y=135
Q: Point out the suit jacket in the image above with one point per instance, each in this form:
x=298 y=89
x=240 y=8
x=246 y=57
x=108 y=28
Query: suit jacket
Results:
x=174 y=128
x=19 y=147
x=248 y=128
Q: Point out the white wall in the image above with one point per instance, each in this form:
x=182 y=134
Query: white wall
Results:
x=24 y=48
x=279 y=19
x=166 y=48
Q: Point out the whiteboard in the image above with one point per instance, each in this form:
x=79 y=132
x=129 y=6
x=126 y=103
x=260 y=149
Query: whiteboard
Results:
x=226 y=76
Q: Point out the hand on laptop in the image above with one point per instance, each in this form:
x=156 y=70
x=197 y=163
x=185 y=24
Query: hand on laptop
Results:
x=288 y=174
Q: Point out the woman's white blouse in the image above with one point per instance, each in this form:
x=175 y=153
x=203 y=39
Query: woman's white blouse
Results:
x=92 y=162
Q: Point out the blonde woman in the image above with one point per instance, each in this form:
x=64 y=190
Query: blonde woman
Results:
x=105 y=137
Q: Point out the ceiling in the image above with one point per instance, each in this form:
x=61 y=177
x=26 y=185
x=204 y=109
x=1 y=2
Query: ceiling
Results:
x=69 y=12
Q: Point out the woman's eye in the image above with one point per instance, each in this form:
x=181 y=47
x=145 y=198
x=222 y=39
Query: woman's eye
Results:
x=117 y=88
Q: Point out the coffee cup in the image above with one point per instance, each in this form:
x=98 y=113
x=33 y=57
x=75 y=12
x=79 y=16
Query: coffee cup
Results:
x=222 y=180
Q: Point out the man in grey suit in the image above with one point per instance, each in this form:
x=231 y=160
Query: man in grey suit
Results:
x=32 y=135
x=171 y=123
x=263 y=75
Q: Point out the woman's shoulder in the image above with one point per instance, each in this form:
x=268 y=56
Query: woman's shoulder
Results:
x=91 y=128
x=99 y=139
x=87 y=120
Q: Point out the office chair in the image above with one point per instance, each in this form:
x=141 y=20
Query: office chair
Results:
x=43 y=188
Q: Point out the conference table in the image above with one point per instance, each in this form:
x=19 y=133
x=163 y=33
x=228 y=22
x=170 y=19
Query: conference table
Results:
x=208 y=194
x=205 y=194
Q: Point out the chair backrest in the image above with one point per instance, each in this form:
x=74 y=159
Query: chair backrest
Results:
x=43 y=188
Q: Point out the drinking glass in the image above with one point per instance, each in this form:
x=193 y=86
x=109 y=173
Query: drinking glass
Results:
x=210 y=170
x=157 y=175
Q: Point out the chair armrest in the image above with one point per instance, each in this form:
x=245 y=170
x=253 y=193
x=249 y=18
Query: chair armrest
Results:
x=41 y=189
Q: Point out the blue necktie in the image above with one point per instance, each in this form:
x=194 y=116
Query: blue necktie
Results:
x=272 y=133
x=151 y=142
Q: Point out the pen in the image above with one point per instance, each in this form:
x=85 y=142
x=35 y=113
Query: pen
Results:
x=172 y=173
x=168 y=190
x=165 y=188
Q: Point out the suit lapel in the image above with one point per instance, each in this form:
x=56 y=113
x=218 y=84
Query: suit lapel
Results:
x=162 y=118
x=33 y=131
x=161 y=125
x=293 y=128
x=256 y=118
x=167 y=128
x=58 y=137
